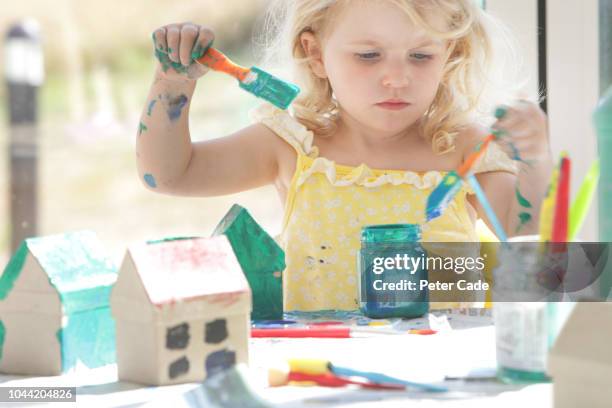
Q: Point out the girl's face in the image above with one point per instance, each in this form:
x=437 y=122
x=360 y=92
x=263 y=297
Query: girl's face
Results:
x=384 y=71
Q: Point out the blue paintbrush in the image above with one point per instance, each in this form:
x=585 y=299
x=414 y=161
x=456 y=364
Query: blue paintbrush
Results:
x=450 y=185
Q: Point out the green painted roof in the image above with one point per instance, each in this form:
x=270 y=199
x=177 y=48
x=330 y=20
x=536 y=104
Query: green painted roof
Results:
x=76 y=264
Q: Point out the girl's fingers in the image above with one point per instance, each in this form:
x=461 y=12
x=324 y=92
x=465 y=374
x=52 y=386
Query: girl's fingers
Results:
x=173 y=39
x=204 y=41
x=159 y=40
x=188 y=35
x=517 y=129
x=511 y=117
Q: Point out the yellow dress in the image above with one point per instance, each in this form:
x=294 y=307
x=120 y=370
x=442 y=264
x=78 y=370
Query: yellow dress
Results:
x=327 y=205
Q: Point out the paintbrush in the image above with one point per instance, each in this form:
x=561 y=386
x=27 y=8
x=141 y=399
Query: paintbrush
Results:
x=560 y=224
x=254 y=80
x=320 y=367
x=547 y=209
x=484 y=202
x=450 y=185
x=583 y=199
x=332 y=331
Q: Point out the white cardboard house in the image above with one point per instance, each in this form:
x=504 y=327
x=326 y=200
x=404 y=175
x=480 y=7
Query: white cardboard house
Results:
x=54 y=305
x=182 y=310
x=580 y=362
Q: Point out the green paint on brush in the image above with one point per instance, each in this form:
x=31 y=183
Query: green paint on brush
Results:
x=272 y=89
x=261 y=259
x=522 y=200
x=12 y=270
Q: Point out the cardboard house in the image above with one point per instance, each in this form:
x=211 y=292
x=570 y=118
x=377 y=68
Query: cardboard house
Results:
x=580 y=362
x=261 y=259
x=182 y=308
x=54 y=306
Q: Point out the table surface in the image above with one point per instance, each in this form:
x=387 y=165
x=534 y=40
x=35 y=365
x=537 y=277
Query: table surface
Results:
x=464 y=344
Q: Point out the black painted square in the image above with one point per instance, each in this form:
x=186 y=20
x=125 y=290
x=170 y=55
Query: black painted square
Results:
x=216 y=331
x=177 y=337
x=178 y=367
x=219 y=361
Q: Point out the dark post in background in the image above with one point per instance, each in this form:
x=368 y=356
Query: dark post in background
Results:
x=24 y=75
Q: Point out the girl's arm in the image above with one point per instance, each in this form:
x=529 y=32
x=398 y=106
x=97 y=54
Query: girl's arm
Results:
x=168 y=162
x=500 y=188
x=525 y=126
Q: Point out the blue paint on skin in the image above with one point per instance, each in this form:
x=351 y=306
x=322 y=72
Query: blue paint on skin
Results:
x=175 y=106
x=148 y=178
x=151 y=105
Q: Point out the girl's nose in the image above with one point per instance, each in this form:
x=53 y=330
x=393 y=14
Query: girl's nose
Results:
x=397 y=75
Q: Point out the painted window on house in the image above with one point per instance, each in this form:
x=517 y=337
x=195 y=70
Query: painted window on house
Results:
x=177 y=337
x=178 y=367
x=219 y=361
x=216 y=331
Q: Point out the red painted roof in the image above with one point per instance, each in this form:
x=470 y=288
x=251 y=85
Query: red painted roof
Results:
x=181 y=270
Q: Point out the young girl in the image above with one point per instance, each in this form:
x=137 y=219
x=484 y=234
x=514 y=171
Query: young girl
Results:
x=390 y=89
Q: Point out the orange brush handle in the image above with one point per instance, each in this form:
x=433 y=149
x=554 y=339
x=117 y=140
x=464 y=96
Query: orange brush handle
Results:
x=218 y=61
x=469 y=162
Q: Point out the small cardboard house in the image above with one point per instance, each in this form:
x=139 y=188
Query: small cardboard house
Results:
x=54 y=306
x=261 y=259
x=182 y=311
x=580 y=362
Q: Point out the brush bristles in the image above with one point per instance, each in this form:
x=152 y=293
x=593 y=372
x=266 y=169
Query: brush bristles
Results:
x=270 y=88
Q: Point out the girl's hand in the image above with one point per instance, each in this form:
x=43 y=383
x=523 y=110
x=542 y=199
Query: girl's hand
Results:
x=176 y=48
x=523 y=129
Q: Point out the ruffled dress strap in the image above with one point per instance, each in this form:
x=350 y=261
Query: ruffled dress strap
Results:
x=495 y=159
x=286 y=127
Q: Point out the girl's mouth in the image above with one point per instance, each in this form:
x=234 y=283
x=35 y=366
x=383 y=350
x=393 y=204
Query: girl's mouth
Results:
x=393 y=104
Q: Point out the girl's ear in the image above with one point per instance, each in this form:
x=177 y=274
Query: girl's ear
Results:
x=314 y=53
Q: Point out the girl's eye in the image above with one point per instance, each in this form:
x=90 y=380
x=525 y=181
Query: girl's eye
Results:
x=421 y=57
x=368 y=56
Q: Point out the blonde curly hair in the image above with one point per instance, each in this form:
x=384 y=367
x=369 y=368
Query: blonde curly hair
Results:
x=478 y=46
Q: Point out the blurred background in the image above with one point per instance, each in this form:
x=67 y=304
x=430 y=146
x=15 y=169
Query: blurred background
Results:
x=98 y=66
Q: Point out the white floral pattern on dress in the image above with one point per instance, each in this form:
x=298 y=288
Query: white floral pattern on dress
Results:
x=331 y=204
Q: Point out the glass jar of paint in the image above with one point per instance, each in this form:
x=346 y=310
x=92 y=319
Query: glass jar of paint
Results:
x=527 y=316
x=389 y=284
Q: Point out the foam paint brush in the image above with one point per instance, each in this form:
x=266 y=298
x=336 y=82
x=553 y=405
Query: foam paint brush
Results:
x=582 y=202
x=450 y=185
x=254 y=80
x=321 y=367
x=337 y=332
x=560 y=224
x=547 y=209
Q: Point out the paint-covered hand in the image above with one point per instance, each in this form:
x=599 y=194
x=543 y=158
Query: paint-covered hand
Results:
x=522 y=129
x=176 y=48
